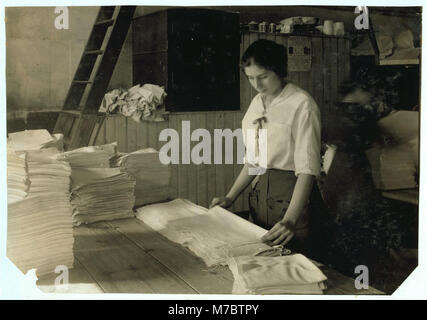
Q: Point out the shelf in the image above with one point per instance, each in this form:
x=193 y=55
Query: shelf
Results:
x=298 y=34
x=393 y=62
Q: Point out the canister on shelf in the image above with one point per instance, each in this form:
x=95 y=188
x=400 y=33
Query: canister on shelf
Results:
x=253 y=26
x=272 y=28
x=262 y=27
x=339 y=28
x=328 y=27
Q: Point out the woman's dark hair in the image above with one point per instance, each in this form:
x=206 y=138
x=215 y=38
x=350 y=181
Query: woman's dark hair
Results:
x=267 y=54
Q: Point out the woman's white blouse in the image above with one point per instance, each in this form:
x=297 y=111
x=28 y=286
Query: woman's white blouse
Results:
x=293 y=129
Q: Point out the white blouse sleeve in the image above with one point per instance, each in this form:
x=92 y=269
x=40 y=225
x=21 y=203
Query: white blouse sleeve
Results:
x=306 y=130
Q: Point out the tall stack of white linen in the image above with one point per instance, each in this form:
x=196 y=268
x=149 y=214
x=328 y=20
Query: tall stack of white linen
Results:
x=40 y=234
x=91 y=157
x=17 y=180
x=101 y=194
x=152 y=176
x=47 y=174
x=98 y=191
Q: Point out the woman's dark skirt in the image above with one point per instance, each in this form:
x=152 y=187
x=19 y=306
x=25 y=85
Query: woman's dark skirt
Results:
x=270 y=198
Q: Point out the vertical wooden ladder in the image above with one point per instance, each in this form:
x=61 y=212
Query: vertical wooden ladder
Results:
x=79 y=120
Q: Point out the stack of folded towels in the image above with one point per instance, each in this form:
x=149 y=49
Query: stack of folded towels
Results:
x=40 y=234
x=46 y=173
x=17 y=179
x=152 y=177
x=90 y=157
x=293 y=274
x=99 y=192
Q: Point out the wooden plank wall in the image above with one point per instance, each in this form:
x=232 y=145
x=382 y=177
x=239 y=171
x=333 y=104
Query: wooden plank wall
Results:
x=330 y=67
x=200 y=183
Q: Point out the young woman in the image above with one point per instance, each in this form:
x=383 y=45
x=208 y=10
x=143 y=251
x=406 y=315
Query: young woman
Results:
x=280 y=196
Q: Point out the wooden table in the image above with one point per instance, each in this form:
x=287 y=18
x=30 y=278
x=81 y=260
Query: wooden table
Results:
x=127 y=256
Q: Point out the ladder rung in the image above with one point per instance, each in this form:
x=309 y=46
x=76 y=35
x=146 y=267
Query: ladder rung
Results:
x=107 y=22
x=120 y=18
x=94 y=52
x=82 y=82
x=71 y=112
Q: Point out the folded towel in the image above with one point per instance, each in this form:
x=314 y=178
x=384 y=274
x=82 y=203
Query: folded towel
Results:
x=275 y=275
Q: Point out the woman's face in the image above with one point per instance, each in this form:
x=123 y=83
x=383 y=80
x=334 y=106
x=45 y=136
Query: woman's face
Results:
x=264 y=81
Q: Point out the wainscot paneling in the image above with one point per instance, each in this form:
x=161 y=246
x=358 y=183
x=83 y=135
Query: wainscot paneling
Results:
x=198 y=183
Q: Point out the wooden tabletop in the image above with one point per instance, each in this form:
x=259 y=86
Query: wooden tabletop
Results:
x=127 y=256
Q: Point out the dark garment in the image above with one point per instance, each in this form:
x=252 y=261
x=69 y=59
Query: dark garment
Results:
x=365 y=226
x=270 y=198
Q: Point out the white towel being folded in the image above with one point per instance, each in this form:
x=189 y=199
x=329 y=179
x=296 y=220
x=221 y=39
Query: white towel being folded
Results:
x=276 y=275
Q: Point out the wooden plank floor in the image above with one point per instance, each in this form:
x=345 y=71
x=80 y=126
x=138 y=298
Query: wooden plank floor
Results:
x=127 y=256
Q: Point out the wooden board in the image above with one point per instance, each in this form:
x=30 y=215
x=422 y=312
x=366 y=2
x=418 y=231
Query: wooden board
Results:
x=173 y=123
x=202 y=169
x=211 y=171
x=184 y=264
x=317 y=72
x=141 y=135
x=121 y=133
x=192 y=168
x=327 y=84
x=220 y=168
x=245 y=87
x=120 y=266
x=238 y=203
x=131 y=135
x=100 y=139
x=80 y=281
x=110 y=131
x=229 y=168
x=182 y=168
x=339 y=284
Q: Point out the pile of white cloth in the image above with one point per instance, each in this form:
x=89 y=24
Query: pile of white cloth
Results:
x=34 y=140
x=214 y=235
x=38 y=169
x=221 y=237
x=139 y=102
x=40 y=232
x=101 y=194
x=17 y=178
x=46 y=173
x=292 y=274
x=91 y=157
x=152 y=177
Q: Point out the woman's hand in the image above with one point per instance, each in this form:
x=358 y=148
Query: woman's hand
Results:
x=223 y=202
x=281 y=233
